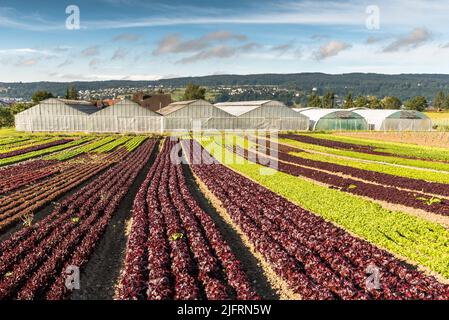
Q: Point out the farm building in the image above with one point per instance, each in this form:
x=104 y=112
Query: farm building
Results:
x=187 y=115
x=154 y=102
x=334 y=119
x=56 y=115
x=126 y=116
x=264 y=114
x=396 y=120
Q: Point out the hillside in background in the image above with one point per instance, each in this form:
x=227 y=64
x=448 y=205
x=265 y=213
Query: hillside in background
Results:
x=403 y=86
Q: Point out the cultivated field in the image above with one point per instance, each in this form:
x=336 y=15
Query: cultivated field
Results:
x=223 y=216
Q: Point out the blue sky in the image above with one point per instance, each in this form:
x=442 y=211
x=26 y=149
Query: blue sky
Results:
x=139 y=40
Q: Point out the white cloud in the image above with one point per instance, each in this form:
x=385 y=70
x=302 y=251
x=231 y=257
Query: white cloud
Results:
x=119 y=54
x=219 y=52
x=330 y=49
x=90 y=51
x=126 y=37
x=414 y=39
x=27 y=62
x=94 y=63
x=175 y=44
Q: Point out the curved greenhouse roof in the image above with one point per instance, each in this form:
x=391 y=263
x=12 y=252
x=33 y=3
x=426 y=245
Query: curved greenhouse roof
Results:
x=334 y=119
x=264 y=114
x=396 y=120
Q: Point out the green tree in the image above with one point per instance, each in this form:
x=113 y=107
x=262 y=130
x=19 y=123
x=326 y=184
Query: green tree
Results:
x=418 y=103
x=39 y=96
x=314 y=101
x=349 y=102
x=446 y=103
x=361 y=102
x=374 y=102
x=19 y=107
x=439 y=100
x=194 y=92
x=390 y=102
x=329 y=99
x=72 y=93
x=6 y=118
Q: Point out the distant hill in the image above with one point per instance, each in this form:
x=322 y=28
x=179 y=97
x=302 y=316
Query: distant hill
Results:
x=404 y=86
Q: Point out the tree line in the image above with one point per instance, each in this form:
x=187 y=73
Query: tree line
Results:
x=418 y=103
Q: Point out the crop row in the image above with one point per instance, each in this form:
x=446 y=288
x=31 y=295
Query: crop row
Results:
x=341 y=145
x=416 y=239
x=112 y=145
x=405 y=147
x=34 y=260
x=12 y=140
x=28 y=173
x=134 y=143
x=374 y=191
x=377 y=177
x=69 y=154
x=25 y=202
x=414 y=173
x=21 y=168
x=315 y=258
x=12 y=144
x=422 y=164
x=175 y=250
x=34 y=148
x=42 y=152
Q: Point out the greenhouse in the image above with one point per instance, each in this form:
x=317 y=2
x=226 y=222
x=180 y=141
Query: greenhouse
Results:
x=396 y=120
x=195 y=114
x=56 y=115
x=126 y=116
x=334 y=119
x=264 y=114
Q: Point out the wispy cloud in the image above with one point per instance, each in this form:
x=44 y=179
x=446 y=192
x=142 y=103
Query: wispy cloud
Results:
x=26 y=51
x=282 y=48
x=27 y=62
x=91 y=51
x=65 y=63
x=119 y=54
x=126 y=37
x=414 y=39
x=373 y=40
x=175 y=44
x=330 y=49
x=219 y=52
x=11 y=18
x=94 y=63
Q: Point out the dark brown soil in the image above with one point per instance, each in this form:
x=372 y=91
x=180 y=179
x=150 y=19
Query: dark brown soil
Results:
x=249 y=262
x=101 y=274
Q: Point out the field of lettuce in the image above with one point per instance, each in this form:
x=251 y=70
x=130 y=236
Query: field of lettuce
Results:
x=222 y=217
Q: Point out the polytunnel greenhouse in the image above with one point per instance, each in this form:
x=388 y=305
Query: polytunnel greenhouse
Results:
x=334 y=119
x=396 y=120
x=264 y=114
